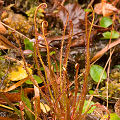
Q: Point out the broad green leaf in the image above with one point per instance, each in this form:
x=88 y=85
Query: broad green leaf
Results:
x=96 y=72
x=85 y=105
x=113 y=116
x=105 y=22
x=37 y=78
x=28 y=44
x=107 y=35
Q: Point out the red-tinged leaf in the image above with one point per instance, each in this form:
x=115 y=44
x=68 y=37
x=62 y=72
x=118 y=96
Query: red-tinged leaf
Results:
x=76 y=14
x=2 y=29
x=27 y=52
x=15 y=97
x=6 y=118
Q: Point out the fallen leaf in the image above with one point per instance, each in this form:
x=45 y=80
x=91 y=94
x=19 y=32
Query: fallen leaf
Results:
x=6 y=118
x=5 y=43
x=18 y=73
x=14 y=86
x=76 y=14
x=44 y=107
x=15 y=97
x=104 y=8
x=2 y=29
x=117 y=107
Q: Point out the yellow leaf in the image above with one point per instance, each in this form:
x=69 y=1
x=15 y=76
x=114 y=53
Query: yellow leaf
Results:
x=18 y=73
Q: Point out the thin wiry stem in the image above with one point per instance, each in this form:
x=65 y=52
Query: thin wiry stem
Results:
x=36 y=47
x=36 y=50
x=61 y=51
x=87 y=67
x=44 y=23
x=76 y=90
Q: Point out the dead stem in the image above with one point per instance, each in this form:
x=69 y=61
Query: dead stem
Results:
x=15 y=30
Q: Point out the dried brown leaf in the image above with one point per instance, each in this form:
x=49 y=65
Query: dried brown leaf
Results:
x=2 y=29
x=15 y=97
x=6 y=44
x=76 y=14
x=117 y=107
x=106 y=9
x=6 y=118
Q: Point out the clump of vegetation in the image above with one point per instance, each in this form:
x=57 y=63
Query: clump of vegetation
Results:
x=55 y=95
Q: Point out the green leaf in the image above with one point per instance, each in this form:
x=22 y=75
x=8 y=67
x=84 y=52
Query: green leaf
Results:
x=28 y=104
x=105 y=22
x=88 y=10
x=96 y=72
x=28 y=44
x=117 y=66
x=114 y=116
x=26 y=100
x=85 y=105
x=107 y=35
x=37 y=78
x=91 y=92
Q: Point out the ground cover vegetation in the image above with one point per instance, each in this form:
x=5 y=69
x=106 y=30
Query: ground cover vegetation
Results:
x=59 y=60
